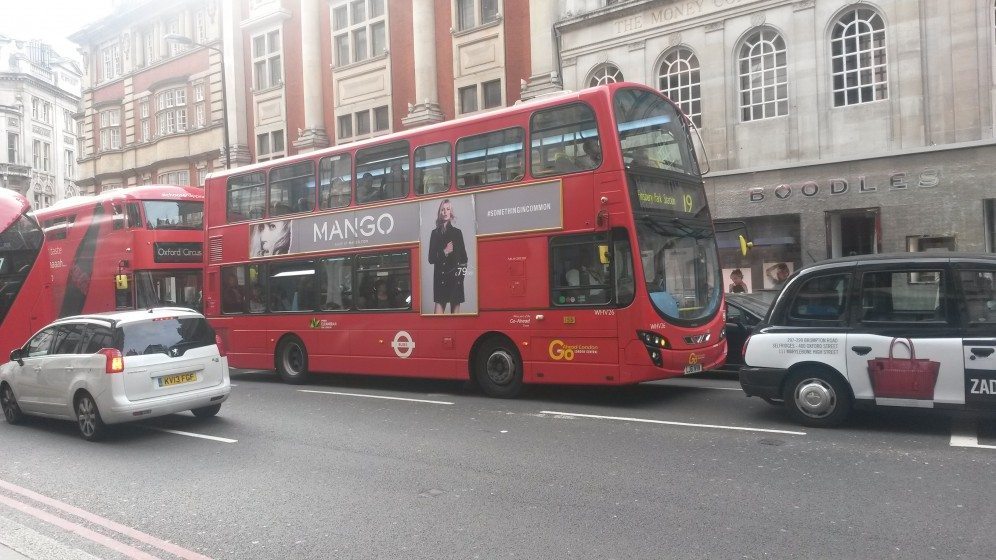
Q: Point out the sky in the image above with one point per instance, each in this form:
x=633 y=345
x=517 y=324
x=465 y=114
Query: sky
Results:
x=50 y=20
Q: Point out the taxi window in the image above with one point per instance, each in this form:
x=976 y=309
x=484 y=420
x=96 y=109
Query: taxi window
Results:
x=823 y=298
x=902 y=296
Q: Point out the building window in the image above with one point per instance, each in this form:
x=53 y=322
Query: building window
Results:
x=679 y=80
x=487 y=96
x=605 y=74
x=144 y=113
x=171 y=113
x=13 y=141
x=42 y=155
x=149 y=46
x=472 y=13
x=763 y=76
x=110 y=129
x=174 y=178
x=857 y=46
x=266 y=65
x=270 y=145
x=41 y=110
x=200 y=27
x=172 y=27
x=111 y=56
x=68 y=122
x=70 y=163
x=359 y=29
x=365 y=123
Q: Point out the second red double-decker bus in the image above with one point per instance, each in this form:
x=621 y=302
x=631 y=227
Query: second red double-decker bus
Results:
x=565 y=240
x=24 y=303
x=127 y=248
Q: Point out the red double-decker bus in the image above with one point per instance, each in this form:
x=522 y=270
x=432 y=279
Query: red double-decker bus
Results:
x=24 y=303
x=566 y=240
x=129 y=248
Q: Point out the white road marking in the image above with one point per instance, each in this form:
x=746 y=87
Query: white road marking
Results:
x=670 y=423
x=191 y=434
x=372 y=396
x=965 y=434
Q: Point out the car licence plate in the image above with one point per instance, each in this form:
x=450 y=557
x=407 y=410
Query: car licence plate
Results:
x=693 y=368
x=177 y=379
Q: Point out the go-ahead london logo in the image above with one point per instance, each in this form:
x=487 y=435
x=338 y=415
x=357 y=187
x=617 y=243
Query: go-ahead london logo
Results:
x=403 y=344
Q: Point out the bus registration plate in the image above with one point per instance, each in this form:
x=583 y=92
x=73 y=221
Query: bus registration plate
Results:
x=177 y=379
x=693 y=368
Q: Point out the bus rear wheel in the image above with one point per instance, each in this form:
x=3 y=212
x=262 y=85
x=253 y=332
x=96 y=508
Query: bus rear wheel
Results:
x=498 y=368
x=292 y=361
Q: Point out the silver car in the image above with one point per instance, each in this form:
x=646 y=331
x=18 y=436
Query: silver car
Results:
x=117 y=367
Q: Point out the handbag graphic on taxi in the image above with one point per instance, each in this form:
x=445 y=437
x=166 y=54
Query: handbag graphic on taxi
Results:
x=903 y=378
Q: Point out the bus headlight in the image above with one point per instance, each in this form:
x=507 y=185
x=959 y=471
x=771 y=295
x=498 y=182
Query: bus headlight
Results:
x=655 y=344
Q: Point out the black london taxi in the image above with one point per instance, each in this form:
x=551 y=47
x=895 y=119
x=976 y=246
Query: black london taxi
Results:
x=908 y=330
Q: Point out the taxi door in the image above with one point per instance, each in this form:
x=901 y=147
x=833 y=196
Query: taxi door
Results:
x=979 y=346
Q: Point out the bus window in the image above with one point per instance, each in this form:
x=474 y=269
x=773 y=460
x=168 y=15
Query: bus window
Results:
x=335 y=283
x=292 y=286
x=432 y=168
x=581 y=270
x=117 y=217
x=246 y=196
x=233 y=289
x=564 y=140
x=134 y=216
x=335 y=174
x=384 y=281
x=292 y=189
x=488 y=159
x=257 y=289
x=382 y=172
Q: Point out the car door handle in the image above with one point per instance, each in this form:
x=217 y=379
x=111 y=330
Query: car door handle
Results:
x=982 y=352
x=861 y=350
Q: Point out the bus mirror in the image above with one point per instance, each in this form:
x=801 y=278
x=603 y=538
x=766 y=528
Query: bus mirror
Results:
x=745 y=245
x=603 y=254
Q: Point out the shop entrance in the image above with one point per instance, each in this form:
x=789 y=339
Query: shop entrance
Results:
x=853 y=232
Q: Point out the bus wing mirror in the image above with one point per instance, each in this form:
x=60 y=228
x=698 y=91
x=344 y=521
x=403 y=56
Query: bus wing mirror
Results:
x=17 y=355
x=745 y=245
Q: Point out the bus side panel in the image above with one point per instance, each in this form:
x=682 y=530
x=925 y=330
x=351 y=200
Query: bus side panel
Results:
x=513 y=273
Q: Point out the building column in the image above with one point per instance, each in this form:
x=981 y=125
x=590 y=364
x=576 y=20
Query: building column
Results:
x=543 y=50
x=312 y=136
x=425 y=110
x=234 y=118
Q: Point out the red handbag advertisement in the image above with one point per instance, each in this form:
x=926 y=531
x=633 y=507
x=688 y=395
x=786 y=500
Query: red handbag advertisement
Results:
x=903 y=378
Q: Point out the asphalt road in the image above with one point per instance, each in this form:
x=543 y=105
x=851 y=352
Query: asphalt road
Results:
x=678 y=469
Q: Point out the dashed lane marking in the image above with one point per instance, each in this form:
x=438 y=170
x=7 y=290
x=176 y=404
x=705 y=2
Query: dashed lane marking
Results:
x=373 y=396
x=672 y=423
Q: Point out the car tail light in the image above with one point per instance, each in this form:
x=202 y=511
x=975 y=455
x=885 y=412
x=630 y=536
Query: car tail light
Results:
x=115 y=363
x=221 y=345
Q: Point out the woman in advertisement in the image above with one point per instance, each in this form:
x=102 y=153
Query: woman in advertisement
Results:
x=448 y=255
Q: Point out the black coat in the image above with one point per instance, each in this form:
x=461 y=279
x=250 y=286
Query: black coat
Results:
x=448 y=270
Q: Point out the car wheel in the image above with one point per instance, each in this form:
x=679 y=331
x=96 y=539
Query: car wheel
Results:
x=11 y=411
x=207 y=411
x=92 y=428
x=292 y=361
x=498 y=368
x=817 y=398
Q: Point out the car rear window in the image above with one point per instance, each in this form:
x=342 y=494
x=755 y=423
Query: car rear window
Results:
x=165 y=335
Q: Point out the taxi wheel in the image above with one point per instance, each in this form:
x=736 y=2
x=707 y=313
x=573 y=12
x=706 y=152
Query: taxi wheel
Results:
x=11 y=411
x=498 y=368
x=817 y=398
x=292 y=361
x=92 y=428
x=207 y=411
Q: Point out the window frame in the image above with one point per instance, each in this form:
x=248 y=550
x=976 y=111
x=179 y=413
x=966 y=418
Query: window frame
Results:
x=681 y=63
x=267 y=62
x=854 y=32
x=757 y=109
x=368 y=28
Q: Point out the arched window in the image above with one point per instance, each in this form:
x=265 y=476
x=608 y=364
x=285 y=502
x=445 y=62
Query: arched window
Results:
x=763 y=76
x=857 y=47
x=605 y=74
x=679 y=80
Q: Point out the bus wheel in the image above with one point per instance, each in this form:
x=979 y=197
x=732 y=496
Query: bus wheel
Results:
x=11 y=411
x=817 y=398
x=498 y=368
x=292 y=361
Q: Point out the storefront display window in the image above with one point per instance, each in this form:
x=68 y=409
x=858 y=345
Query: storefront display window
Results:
x=776 y=254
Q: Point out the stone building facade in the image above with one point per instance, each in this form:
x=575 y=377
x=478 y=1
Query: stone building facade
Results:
x=39 y=99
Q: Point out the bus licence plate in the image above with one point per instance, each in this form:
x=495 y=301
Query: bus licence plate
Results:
x=693 y=368
x=177 y=379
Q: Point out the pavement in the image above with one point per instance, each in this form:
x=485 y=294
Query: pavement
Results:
x=20 y=542
x=10 y=554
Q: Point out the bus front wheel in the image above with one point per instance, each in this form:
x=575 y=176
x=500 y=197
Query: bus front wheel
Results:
x=292 y=360
x=498 y=368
